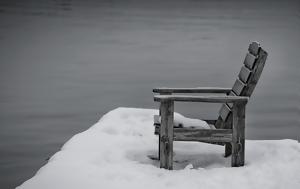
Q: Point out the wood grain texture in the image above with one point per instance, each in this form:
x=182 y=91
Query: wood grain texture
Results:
x=166 y=135
x=159 y=116
x=244 y=74
x=238 y=135
x=208 y=99
x=208 y=135
x=224 y=112
x=192 y=90
x=194 y=134
x=250 y=61
x=238 y=87
x=230 y=105
x=254 y=48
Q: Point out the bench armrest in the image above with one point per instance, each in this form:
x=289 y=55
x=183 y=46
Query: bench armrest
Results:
x=209 y=99
x=192 y=90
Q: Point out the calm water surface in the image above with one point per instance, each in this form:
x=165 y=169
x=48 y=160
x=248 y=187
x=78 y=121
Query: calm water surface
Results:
x=64 y=63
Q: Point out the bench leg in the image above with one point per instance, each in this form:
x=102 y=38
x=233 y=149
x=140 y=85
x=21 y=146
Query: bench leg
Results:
x=166 y=135
x=238 y=135
x=160 y=107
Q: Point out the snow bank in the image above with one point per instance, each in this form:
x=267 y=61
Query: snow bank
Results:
x=114 y=153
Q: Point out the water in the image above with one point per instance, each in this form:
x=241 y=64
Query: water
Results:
x=64 y=63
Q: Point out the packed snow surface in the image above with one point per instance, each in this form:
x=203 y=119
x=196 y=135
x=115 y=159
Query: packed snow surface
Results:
x=116 y=151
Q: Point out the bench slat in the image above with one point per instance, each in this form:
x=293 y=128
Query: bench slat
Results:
x=224 y=112
x=244 y=74
x=208 y=99
x=194 y=134
x=192 y=90
x=238 y=87
x=207 y=135
x=254 y=48
x=230 y=105
x=250 y=61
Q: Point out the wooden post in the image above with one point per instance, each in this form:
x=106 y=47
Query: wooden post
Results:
x=238 y=135
x=160 y=107
x=228 y=125
x=166 y=134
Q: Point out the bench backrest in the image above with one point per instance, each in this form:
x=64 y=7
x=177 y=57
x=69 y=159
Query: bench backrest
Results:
x=245 y=83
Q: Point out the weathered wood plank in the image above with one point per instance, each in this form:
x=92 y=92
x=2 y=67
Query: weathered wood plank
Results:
x=230 y=105
x=214 y=133
x=208 y=99
x=160 y=107
x=250 y=61
x=254 y=48
x=238 y=87
x=244 y=74
x=192 y=90
x=238 y=135
x=208 y=135
x=166 y=134
x=224 y=112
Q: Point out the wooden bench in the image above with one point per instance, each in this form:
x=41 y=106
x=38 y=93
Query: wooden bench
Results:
x=230 y=124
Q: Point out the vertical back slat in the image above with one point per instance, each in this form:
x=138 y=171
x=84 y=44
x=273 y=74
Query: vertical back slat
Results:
x=250 y=61
x=238 y=87
x=230 y=105
x=244 y=74
x=224 y=112
x=254 y=48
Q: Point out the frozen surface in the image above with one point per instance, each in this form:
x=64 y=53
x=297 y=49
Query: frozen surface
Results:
x=114 y=153
x=182 y=121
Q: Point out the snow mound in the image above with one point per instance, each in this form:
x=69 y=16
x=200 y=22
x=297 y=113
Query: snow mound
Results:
x=114 y=153
x=181 y=121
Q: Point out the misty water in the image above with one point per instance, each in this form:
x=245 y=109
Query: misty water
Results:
x=65 y=63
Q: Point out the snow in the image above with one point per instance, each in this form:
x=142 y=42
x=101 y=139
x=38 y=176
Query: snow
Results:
x=181 y=121
x=114 y=153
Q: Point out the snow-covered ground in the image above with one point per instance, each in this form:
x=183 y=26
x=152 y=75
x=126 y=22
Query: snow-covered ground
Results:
x=114 y=153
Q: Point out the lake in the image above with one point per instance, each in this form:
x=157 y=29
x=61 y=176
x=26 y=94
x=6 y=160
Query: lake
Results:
x=65 y=63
